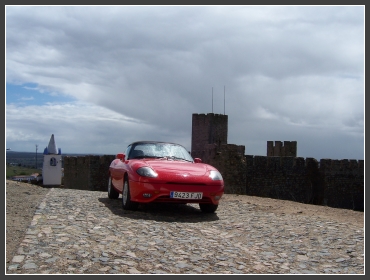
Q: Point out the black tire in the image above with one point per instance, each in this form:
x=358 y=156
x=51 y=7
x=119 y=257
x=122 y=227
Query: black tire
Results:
x=112 y=193
x=208 y=208
x=127 y=204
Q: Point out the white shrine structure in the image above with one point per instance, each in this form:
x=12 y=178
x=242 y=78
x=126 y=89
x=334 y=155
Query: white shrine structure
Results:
x=52 y=166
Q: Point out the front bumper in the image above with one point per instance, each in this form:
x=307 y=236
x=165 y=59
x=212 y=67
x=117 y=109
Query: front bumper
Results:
x=160 y=192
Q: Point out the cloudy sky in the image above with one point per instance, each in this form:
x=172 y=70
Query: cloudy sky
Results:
x=101 y=77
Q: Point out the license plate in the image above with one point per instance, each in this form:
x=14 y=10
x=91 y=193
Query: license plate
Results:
x=186 y=195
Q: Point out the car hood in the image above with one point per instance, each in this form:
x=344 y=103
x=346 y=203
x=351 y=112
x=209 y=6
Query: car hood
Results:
x=178 y=168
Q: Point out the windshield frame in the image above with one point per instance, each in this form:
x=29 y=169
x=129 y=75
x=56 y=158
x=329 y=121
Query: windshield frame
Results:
x=160 y=150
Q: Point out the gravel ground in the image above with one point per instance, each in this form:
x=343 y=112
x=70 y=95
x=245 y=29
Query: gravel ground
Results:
x=22 y=199
x=21 y=202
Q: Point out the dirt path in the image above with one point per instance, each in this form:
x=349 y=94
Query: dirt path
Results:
x=21 y=202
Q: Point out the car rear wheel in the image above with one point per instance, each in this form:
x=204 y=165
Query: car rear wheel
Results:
x=208 y=208
x=127 y=204
x=112 y=193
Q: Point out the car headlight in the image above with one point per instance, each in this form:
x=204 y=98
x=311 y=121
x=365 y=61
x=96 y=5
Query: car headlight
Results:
x=146 y=172
x=215 y=175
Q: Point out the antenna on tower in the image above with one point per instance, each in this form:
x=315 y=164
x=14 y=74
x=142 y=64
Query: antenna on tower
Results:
x=224 y=100
x=212 y=100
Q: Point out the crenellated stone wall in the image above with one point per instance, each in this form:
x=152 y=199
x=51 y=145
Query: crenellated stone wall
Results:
x=282 y=149
x=280 y=174
x=334 y=183
x=281 y=178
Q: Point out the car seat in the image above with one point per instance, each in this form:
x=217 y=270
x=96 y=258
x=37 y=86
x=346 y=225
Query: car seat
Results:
x=137 y=154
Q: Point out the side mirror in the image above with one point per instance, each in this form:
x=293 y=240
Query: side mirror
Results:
x=197 y=160
x=121 y=156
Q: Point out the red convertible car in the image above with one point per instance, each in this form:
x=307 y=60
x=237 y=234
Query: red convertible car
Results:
x=152 y=171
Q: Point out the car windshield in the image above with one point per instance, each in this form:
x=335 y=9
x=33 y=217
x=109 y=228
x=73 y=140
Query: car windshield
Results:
x=159 y=150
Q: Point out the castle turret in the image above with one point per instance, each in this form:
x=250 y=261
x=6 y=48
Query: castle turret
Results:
x=208 y=129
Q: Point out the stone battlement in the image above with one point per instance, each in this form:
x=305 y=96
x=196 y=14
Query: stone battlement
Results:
x=280 y=174
x=282 y=149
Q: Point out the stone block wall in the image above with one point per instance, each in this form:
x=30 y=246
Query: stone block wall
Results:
x=99 y=172
x=331 y=182
x=76 y=172
x=229 y=159
x=87 y=172
x=344 y=183
x=287 y=178
x=334 y=183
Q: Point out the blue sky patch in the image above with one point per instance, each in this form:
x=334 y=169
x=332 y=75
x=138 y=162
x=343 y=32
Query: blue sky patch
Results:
x=29 y=94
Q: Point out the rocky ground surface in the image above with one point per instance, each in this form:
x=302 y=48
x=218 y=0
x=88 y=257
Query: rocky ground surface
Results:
x=22 y=200
x=61 y=231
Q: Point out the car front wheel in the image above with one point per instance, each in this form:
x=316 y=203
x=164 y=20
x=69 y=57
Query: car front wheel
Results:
x=112 y=193
x=127 y=204
x=208 y=208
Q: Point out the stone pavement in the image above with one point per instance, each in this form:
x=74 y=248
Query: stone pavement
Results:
x=84 y=232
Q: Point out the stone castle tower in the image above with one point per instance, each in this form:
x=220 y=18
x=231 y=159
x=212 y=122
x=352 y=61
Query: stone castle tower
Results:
x=52 y=166
x=209 y=143
x=208 y=129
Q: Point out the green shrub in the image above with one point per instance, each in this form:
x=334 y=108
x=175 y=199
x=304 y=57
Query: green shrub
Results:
x=19 y=170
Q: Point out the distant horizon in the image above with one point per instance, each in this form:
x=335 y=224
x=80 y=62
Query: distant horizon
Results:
x=41 y=153
x=318 y=159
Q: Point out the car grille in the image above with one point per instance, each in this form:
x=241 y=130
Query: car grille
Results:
x=185 y=183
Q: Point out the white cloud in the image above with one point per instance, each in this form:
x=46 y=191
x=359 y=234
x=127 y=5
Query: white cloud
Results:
x=140 y=72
